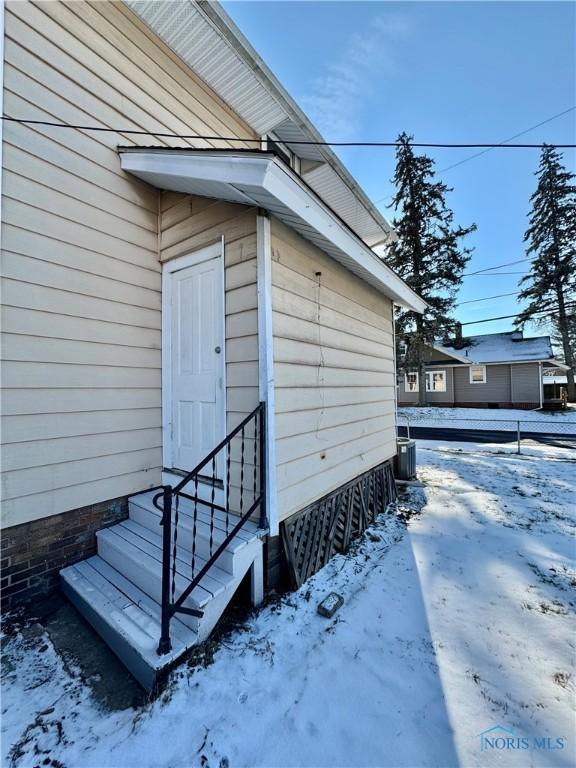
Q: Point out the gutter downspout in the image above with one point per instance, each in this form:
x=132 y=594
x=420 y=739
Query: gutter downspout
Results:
x=266 y=361
x=541 y=376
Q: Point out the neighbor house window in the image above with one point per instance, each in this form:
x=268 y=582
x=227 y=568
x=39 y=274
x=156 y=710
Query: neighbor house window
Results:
x=477 y=374
x=436 y=381
x=411 y=383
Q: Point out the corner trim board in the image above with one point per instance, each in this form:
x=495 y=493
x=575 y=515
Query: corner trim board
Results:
x=266 y=361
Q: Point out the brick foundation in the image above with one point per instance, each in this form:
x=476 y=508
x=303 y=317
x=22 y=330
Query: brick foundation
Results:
x=33 y=553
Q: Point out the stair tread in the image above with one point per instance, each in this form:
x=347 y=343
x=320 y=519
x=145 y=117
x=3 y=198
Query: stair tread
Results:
x=105 y=575
x=245 y=534
x=142 y=554
x=151 y=543
x=186 y=526
x=127 y=610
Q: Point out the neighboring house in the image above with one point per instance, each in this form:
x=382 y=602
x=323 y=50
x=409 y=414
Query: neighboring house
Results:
x=159 y=292
x=496 y=370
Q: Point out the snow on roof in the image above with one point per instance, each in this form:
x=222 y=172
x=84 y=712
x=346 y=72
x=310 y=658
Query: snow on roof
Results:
x=507 y=347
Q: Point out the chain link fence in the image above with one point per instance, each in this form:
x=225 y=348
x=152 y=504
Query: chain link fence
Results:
x=552 y=432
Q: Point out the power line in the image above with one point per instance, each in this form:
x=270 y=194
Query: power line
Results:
x=542 y=314
x=498 y=296
x=502 y=143
x=489 y=269
x=487 y=298
x=496 y=274
x=252 y=140
x=505 y=141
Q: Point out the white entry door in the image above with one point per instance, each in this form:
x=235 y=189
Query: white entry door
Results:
x=197 y=359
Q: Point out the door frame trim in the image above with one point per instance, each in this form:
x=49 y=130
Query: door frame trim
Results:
x=213 y=251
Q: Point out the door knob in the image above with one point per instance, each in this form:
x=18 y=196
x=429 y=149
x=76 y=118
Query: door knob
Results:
x=217 y=350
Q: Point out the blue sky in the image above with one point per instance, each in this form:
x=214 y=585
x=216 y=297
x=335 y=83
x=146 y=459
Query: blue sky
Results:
x=445 y=72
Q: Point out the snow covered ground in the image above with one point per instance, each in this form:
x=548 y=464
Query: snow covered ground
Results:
x=554 y=422
x=459 y=621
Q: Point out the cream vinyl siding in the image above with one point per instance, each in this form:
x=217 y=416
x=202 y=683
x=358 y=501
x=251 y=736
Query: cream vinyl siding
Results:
x=333 y=371
x=81 y=285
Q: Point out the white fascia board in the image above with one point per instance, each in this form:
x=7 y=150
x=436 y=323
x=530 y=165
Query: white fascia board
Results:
x=174 y=170
x=246 y=175
x=288 y=189
x=519 y=362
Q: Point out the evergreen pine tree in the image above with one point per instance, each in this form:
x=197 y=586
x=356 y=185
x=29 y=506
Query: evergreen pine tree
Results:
x=557 y=338
x=428 y=255
x=551 y=237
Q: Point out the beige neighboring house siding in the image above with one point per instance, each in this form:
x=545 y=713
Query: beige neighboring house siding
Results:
x=188 y=224
x=82 y=281
x=333 y=371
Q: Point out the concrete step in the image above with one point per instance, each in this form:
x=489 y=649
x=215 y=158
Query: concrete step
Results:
x=142 y=511
x=125 y=617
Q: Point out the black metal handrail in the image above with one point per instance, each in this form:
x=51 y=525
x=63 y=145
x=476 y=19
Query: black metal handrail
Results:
x=234 y=509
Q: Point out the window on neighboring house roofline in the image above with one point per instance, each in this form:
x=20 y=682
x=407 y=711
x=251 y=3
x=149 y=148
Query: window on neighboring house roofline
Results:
x=477 y=374
x=411 y=382
x=436 y=381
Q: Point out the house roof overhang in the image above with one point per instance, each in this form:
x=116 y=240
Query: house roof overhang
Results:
x=468 y=361
x=555 y=364
x=261 y=179
x=203 y=36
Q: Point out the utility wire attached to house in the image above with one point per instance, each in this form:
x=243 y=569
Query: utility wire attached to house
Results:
x=300 y=142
